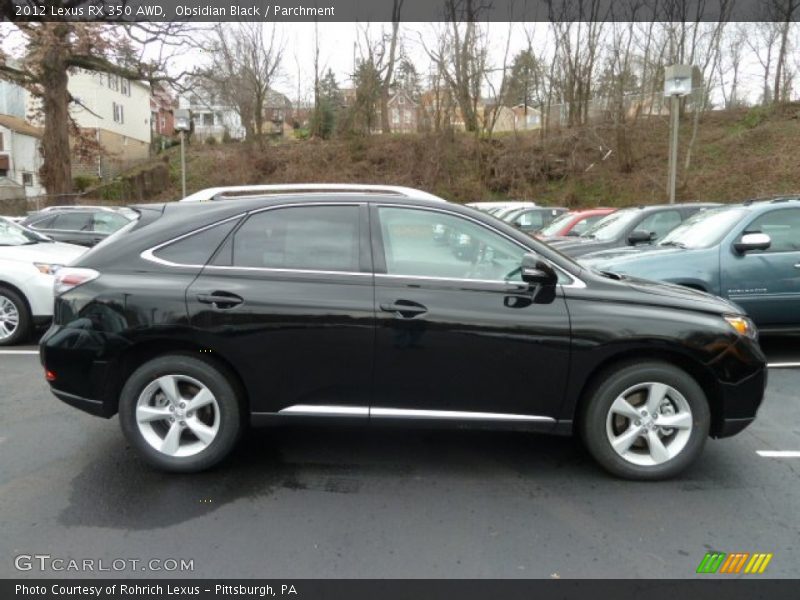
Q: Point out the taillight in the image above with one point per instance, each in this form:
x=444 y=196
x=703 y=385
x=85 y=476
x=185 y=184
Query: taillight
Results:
x=68 y=278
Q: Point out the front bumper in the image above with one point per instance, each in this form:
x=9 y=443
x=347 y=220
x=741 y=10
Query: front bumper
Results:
x=739 y=398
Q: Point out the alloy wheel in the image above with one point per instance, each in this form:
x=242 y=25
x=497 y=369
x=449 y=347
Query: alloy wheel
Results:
x=178 y=415
x=649 y=424
x=9 y=318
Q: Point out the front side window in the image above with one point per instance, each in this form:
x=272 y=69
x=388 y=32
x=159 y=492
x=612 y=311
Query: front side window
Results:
x=660 y=223
x=12 y=234
x=105 y=222
x=783 y=228
x=421 y=243
x=530 y=220
x=308 y=238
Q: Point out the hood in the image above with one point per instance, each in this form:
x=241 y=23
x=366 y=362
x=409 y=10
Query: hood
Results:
x=604 y=259
x=627 y=289
x=580 y=246
x=680 y=296
x=46 y=252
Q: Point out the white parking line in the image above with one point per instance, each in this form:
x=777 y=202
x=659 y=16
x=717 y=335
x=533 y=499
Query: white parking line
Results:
x=786 y=365
x=779 y=453
x=19 y=352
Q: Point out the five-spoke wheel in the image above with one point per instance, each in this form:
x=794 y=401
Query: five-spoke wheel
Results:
x=645 y=421
x=182 y=413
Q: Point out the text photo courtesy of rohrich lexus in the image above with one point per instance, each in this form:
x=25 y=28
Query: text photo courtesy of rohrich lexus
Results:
x=405 y=291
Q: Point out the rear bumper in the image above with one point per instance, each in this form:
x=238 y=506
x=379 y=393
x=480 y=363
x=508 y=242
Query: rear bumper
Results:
x=93 y=407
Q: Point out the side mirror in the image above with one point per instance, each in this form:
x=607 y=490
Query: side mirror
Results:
x=573 y=233
x=752 y=241
x=537 y=271
x=640 y=236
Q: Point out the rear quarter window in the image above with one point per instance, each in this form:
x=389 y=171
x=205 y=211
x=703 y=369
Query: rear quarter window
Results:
x=198 y=247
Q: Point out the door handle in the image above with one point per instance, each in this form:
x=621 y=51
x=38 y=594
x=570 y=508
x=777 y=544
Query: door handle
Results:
x=404 y=308
x=220 y=299
x=797 y=266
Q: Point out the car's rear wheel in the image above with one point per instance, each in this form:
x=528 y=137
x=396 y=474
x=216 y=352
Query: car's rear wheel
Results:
x=645 y=421
x=180 y=413
x=15 y=318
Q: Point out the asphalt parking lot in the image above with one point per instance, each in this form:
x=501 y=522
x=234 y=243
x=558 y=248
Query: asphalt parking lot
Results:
x=300 y=503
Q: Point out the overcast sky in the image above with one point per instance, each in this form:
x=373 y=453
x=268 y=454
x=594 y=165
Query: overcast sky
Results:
x=338 y=45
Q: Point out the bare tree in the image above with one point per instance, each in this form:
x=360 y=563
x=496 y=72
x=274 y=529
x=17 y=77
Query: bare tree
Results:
x=783 y=13
x=245 y=58
x=461 y=57
x=55 y=48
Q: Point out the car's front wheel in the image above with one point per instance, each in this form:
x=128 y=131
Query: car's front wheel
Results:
x=15 y=317
x=180 y=413
x=645 y=421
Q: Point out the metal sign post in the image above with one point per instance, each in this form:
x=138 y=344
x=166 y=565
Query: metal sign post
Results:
x=183 y=124
x=677 y=83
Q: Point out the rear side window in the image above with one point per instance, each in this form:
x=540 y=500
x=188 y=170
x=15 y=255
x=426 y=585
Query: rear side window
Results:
x=198 y=247
x=73 y=221
x=43 y=222
x=308 y=238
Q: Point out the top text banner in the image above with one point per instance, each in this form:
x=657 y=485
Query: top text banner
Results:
x=409 y=10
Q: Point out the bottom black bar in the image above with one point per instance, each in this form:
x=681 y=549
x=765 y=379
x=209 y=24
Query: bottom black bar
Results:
x=408 y=589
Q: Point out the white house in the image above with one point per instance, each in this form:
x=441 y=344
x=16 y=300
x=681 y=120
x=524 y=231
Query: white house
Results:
x=116 y=111
x=211 y=118
x=20 y=158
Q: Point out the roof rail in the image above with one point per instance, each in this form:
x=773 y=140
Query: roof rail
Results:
x=217 y=193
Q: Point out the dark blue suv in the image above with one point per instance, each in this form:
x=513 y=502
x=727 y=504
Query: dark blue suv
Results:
x=748 y=253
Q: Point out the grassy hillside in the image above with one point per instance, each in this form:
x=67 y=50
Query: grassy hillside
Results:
x=737 y=155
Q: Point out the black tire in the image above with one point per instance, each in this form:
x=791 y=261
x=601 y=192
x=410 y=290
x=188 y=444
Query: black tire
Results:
x=216 y=379
x=593 y=418
x=23 y=329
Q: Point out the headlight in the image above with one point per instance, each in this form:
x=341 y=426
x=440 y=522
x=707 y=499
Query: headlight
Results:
x=46 y=268
x=743 y=325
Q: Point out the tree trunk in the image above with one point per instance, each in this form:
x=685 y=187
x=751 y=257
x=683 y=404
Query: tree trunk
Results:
x=56 y=170
x=385 y=124
x=780 y=64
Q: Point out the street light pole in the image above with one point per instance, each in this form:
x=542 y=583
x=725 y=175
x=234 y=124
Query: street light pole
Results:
x=183 y=165
x=183 y=124
x=677 y=83
x=673 y=148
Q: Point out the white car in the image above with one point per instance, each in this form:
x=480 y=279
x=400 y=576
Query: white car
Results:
x=28 y=261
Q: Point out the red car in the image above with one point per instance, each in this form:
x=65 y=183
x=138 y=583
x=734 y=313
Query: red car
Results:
x=573 y=223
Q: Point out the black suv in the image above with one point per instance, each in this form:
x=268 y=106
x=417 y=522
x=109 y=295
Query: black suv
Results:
x=634 y=226
x=82 y=225
x=343 y=307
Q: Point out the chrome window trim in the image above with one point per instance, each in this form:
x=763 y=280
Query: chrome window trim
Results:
x=148 y=254
x=326 y=410
x=575 y=281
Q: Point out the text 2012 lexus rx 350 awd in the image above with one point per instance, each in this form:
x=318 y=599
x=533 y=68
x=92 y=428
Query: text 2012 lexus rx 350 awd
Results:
x=343 y=307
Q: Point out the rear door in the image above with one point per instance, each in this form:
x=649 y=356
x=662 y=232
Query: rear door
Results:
x=288 y=299
x=766 y=283
x=459 y=336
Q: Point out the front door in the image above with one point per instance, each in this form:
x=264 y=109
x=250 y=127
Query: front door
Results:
x=459 y=335
x=766 y=283
x=289 y=298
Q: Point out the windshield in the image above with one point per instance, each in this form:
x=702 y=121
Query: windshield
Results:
x=610 y=227
x=12 y=234
x=557 y=225
x=704 y=229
